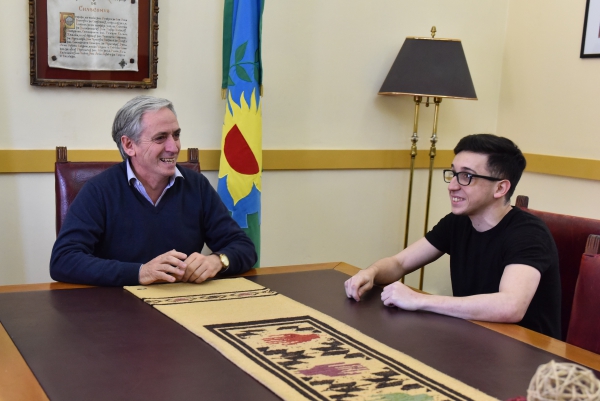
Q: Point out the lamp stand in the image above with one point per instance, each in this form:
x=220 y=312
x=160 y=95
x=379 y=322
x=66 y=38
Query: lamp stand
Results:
x=431 y=68
x=432 y=153
x=413 y=155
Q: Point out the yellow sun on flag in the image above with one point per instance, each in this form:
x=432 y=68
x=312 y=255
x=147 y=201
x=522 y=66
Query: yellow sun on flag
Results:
x=241 y=144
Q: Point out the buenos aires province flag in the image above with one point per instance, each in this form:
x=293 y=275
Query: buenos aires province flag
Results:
x=240 y=165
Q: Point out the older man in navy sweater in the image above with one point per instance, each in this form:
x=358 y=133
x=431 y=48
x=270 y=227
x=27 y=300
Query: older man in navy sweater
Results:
x=146 y=219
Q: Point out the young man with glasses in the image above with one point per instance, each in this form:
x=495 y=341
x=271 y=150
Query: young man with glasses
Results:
x=503 y=261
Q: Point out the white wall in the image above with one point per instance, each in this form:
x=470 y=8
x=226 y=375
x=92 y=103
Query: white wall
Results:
x=324 y=62
x=547 y=102
x=548 y=99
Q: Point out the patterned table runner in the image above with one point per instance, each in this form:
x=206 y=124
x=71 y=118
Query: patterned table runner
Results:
x=297 y=352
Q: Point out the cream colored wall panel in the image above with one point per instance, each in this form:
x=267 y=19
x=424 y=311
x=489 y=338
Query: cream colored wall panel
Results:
x=547 y=103
x=571 y=196
x=326 y=63
x=351 y=216
x=27 y=229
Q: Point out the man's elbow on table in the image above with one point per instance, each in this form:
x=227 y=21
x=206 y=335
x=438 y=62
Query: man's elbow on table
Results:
x=56 y=270
x=510 y=311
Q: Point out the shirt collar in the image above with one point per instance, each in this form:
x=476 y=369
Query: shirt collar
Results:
x=131 y=175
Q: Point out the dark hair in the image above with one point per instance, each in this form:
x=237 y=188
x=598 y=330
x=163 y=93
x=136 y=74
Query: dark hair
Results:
x=505 y=159
x=128 y=121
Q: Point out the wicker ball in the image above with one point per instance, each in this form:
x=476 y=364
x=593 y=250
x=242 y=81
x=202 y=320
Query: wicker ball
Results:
x=563 y=382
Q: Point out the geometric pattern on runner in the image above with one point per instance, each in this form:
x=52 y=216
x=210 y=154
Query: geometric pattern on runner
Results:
x=322 y=363
x=222 y=296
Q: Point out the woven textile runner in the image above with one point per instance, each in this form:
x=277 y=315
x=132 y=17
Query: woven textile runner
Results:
x=297 y=352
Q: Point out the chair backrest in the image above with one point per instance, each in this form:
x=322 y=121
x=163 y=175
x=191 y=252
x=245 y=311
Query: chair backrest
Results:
x=570 y=234
x=70 y=177
x=584 y=328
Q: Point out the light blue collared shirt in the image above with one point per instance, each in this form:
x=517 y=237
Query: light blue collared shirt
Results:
x=133 y=180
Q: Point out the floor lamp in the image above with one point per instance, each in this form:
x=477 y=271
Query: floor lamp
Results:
x=428 y=68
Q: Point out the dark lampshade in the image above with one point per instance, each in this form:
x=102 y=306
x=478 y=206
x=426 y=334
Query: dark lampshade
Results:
x=430 y=67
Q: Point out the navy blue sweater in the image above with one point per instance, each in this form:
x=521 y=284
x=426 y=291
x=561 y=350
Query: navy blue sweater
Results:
x=111 y=230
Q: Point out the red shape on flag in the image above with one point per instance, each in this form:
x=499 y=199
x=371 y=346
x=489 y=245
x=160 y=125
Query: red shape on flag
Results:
x=238 y=153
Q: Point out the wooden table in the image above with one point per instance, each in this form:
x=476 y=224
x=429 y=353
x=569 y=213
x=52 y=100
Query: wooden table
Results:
x=73 y=338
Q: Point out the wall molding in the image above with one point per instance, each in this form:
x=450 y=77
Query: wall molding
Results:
x=42 y=161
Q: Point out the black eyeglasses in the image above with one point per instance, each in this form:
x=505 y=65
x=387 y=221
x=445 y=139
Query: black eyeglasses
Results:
x=465 y=178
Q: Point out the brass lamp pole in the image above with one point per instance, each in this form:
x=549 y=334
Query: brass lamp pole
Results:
x=432 y=153
x=413 y=155
x=428 y=67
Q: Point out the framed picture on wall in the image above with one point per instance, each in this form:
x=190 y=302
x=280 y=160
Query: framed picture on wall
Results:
x=93 y=43
x=590 y=43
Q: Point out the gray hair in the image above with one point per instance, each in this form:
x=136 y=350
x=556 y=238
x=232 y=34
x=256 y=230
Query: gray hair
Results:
x=128 y=120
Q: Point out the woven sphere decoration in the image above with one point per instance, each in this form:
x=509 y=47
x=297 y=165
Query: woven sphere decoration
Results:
x=563 y=382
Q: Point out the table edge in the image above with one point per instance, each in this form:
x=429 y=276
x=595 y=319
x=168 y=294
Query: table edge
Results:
x=17 y=381
x=12 y=385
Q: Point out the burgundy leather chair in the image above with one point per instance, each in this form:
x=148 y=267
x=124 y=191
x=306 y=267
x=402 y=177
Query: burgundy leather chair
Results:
x=570 y=234
x=69 y=177
x=584 y=328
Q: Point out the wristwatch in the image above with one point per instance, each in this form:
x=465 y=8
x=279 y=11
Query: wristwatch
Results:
x=224 y=260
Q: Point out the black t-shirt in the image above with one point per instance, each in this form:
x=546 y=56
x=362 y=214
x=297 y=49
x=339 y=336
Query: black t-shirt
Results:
x=478 y=259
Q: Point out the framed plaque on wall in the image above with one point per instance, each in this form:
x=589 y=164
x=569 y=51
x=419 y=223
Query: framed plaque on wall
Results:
x=93 y=43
